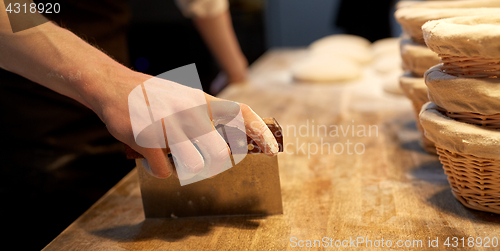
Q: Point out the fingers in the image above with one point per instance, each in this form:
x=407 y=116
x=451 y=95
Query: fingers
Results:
x=225 y=112
x=207 y=154
x=214 y=158
x=253 y=123
x=182 y=130
x=188 y=160
x=156 y=162
x=259 y=132
x=215 y=153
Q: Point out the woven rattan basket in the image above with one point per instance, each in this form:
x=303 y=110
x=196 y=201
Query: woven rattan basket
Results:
x=474 y=181
x=486 y=121
x=474 y=67
x=470 y=67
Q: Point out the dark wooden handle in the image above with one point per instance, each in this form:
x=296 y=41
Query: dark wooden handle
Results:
x=271 y=123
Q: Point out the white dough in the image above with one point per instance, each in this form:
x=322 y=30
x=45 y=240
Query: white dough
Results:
x=388 y=63
x=385 y=45
x=350 y=46
x=391 y=82
x=326 y=69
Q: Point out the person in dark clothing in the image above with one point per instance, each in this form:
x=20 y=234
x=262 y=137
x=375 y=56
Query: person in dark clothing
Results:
x=365 y=18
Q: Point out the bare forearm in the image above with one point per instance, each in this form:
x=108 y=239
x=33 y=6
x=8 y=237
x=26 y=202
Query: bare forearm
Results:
x=218 y=34
x=61 y=61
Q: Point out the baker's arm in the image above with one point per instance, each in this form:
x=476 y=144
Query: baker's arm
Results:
x=57 y=59
x=213 y=21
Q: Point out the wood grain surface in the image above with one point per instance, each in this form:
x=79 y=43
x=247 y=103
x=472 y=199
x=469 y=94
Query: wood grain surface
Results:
x=392 y=190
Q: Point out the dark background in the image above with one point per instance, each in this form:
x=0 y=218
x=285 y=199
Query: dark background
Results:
x=168 y=40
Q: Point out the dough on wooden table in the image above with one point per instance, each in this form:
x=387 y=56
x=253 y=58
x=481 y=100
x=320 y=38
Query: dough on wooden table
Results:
x=390 y=82
x=456 y=94
x=412 y=19
x=385 y=45
x=417 y=58
x=326 y=69
x=343 y=39
x=388 y=62
x=457 y=136
x=449 y=4
x=354 y=47
x=471 y=36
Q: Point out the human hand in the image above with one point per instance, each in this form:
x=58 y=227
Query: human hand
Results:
x=187 y=117
x=63 y=62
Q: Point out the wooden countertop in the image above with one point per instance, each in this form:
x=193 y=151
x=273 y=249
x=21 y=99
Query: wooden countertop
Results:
x=391 y=189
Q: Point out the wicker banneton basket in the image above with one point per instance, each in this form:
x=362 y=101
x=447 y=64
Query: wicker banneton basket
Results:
x=474 y=181
x=470 y=158
x=486 y=121
x=470 y=67
x=474 y=83
x=416 y=90
x=467 y=90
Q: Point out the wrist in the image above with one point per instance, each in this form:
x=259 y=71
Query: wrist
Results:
x=106 y=87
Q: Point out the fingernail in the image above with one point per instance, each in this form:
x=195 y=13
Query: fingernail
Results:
x=270 y=140
x=274 y=149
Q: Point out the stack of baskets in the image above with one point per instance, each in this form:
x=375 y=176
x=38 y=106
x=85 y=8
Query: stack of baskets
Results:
x=416 y=57
x=463 y=119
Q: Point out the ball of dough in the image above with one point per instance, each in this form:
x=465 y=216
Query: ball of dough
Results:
x=326 y=69
x=388 y=63
x=342 y=39
x=385 y=45
x=349 y=46
x=390 y=83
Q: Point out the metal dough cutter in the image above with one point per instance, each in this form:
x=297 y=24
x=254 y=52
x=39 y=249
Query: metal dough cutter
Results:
x=251 y=187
